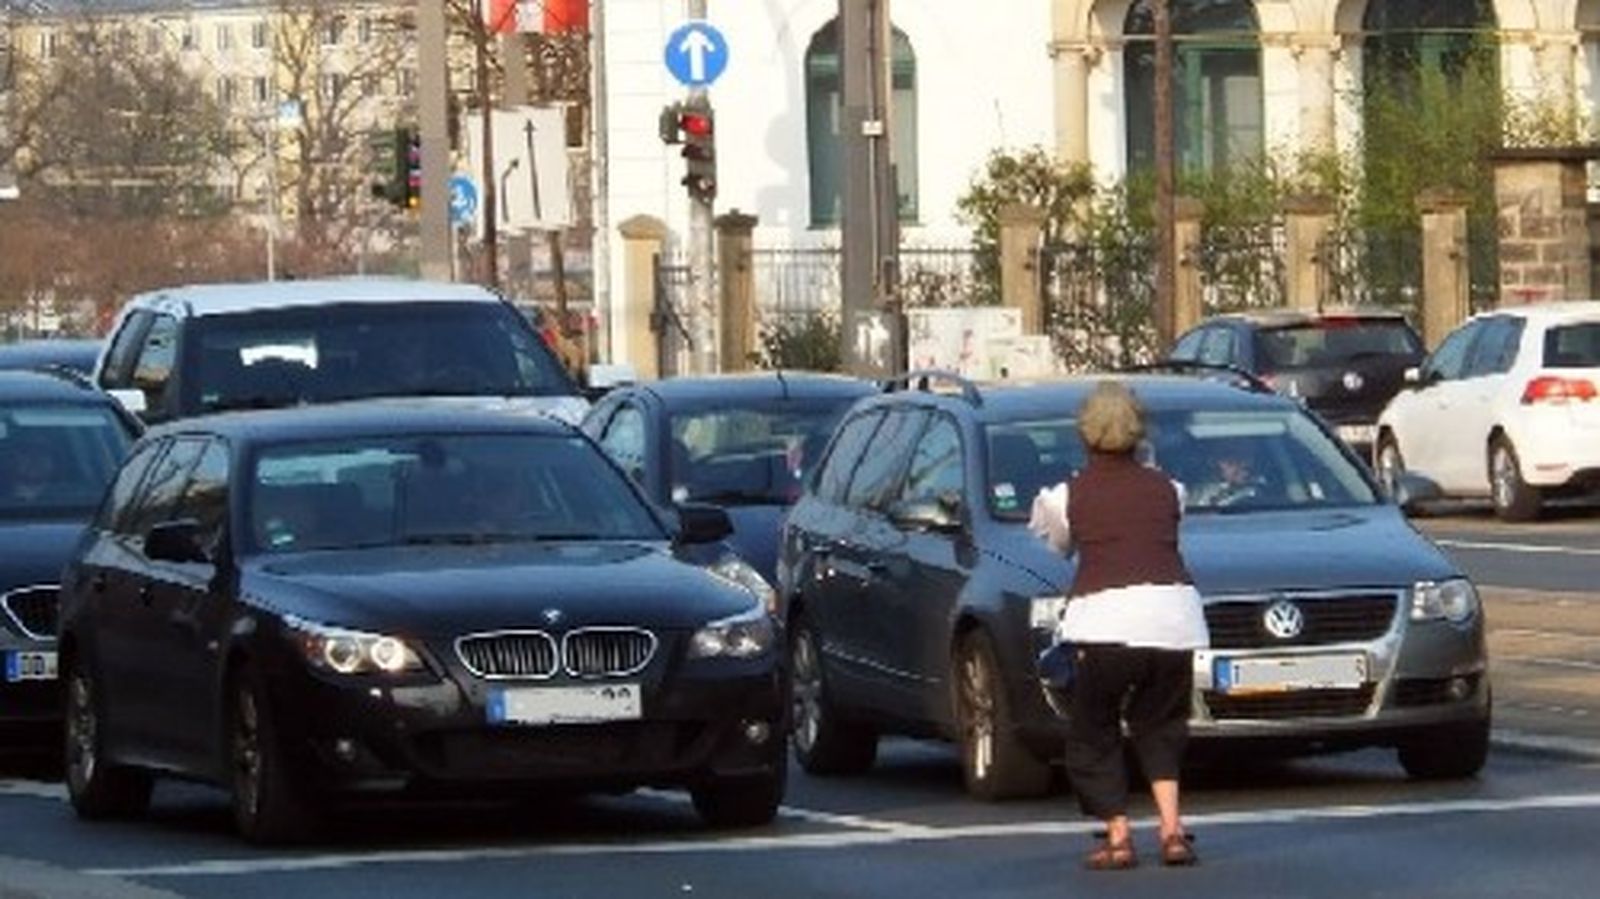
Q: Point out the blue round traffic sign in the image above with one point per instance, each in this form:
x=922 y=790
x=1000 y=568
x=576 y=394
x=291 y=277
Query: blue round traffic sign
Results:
x=696 y=54
x=463 y=199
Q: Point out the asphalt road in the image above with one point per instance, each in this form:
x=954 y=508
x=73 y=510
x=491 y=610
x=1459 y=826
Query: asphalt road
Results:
x=1559 y=553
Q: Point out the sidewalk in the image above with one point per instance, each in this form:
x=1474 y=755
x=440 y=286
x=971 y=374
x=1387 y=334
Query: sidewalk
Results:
x=1544 y=659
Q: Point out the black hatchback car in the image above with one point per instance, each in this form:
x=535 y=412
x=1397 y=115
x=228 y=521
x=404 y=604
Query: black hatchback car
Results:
x=60 y=444
x=742 y=442
x=917 y=600
x=392 y=596
x=1344 y=364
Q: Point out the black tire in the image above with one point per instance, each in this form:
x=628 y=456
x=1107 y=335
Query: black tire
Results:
x=1514 y=499
x=268 y=806
x=1452 y=752
x=824 y=741
x=741 y=801
x=995 y=764
x=97 y=789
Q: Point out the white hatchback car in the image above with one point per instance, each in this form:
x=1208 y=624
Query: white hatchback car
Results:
x=1506 y=407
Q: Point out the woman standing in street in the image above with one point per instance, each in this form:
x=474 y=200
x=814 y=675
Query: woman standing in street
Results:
x=1135 y=619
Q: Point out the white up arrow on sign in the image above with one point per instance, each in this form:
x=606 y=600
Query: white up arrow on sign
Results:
x=696 y=45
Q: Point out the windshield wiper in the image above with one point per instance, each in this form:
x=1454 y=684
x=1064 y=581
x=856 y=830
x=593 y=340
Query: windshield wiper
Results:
x=460 y=539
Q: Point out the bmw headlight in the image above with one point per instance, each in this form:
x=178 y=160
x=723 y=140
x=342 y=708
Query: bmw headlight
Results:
x=344 y=651
x=742 y=636
x=740 y=573
x=1454 y=600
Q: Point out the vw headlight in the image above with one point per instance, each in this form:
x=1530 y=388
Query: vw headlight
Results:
x=740 y=573
x=742 y=636
x=344 y=651
x=1455 y=600
x=1045 y=612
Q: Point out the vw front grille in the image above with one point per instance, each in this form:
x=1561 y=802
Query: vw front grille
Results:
x=1329 y=618
x=509 y=654
x=1292 y=704
x=608 y=651
x=32 y=611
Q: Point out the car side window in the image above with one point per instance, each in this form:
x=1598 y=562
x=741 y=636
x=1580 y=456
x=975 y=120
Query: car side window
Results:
x=876 y=478
x=124 y=349
x=594 y=424
x=205 y=497
x=623 y=439
x=833 y=477
x=1496 y=348
x=156 y=358
x=937 y=467
x=158 y=501
x=126 y=485
x=1218 y=347
x=1449 y=361
x=1187 y=349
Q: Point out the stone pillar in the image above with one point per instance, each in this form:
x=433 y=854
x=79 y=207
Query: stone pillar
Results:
x=1555 y=58
x=642 y=237
x=1540 y=198
x=1445 y=281
x=1318 y=102
x=736 y=290
x=1071 y=64
x=1308 y=222
x=1021 y=228
x=1187 y=302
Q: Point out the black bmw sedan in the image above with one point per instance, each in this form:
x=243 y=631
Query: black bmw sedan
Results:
x=302 y=605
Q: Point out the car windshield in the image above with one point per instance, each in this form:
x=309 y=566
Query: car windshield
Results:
x=284 y=357
x=1228 y=461
x=1334 y=341
x=418 y=490
x=1573 y=346
x=751 y=455
x=55 y=461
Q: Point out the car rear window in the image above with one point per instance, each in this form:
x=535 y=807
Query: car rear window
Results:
x=55 y=461
x=1334 y=341
x=746 y=454
x=1573 y=346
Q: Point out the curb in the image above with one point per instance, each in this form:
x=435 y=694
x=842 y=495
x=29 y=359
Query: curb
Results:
x=1522 y=743
x=28 y=879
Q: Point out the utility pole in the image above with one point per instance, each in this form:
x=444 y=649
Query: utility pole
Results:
x=700 y=274
x=514 y=58
x=871 y=336
x=600 y=252
x=433 y=88
x=491 y=242
x=1166 y=183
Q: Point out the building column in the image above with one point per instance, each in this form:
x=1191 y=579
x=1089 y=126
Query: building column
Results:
x=1188 y=306
x=1021 y=229
x=1071 y=66
x=736 y=290
x=1445 y=282
x=1308 y=222
x=642 y=237
x=1317 y=97
x=1555 y=57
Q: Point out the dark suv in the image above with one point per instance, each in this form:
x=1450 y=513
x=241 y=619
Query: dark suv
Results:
x=1344 y=364
x=918 y=601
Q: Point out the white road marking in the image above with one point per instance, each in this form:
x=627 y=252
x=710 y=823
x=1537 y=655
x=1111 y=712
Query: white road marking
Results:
x=33 y=789
x=1544 y=635
x=1540 y=661
x=857 y=822
x=849 y=839
x=1531 y=548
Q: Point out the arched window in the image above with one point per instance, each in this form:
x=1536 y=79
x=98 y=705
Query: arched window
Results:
x=824 y=152
x=1405 y=38
x=1217 y=103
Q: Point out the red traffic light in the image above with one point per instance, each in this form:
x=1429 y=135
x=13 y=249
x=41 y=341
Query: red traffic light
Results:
x=695 y=124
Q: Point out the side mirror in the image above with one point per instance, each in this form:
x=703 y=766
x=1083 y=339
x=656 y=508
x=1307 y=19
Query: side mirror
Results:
x=1412 y=490
x=940 y=515
x=702 y=524
x=175 y=541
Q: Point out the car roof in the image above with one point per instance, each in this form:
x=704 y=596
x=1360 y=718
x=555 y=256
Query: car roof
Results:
x=1285 y=316
x=367 y=418
x=757 y=387
x=1550 y=313
x=225 y=299
x=1025 y=400
x=35 y=353
x=23 y=386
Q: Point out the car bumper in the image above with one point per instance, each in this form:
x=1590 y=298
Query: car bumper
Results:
x=352 y=737
x=1555 y=452
x=27 y=703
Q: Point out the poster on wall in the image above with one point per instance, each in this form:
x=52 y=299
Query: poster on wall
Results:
x=960 y=339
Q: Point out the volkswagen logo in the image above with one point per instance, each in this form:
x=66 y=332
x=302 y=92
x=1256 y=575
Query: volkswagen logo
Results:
x=552 y=616
x=1353 y=381
x=1284 y=620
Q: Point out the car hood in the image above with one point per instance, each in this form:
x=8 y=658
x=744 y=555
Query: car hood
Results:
x=445 y=591
x=756 y=536
x=1267 y=551
x=33 y=553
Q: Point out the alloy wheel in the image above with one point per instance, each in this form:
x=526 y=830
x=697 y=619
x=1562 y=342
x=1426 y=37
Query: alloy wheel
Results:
x=1505 y=476
x=977 y=704
x=806 y=700
x=82 y=730
x=247 y=754
x=1389 y=468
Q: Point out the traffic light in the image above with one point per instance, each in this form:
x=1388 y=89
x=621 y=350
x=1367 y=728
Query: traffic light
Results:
x=401 y=157
x=413 y=157
x=693 y=125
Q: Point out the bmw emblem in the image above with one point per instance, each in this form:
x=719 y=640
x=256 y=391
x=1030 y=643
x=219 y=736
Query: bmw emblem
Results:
x=1353 y=381
x=553 y=616
x=1284 y=620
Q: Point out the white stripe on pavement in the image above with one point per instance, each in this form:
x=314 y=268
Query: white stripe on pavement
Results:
x=33 y=789
x=1532 y=548
x=905 y=833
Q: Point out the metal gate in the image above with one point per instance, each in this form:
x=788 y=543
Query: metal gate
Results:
x=669 y=320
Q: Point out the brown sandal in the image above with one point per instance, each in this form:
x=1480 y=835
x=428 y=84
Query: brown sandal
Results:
x=1109 y=856
x=1178 y=850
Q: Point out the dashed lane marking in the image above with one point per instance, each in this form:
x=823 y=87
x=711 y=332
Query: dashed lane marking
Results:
x=858 y=838
x=1544 y=662
x=1531 y=548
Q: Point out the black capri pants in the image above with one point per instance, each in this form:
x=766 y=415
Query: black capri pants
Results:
x=1150 y=689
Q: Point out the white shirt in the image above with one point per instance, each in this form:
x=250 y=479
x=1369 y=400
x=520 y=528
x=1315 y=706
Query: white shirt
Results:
x=1152 y=616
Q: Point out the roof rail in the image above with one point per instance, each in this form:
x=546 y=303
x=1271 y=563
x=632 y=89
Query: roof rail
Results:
x=922 y=379
x=1231 y=374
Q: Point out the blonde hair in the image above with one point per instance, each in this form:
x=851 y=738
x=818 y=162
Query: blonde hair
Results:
x=1111 y=420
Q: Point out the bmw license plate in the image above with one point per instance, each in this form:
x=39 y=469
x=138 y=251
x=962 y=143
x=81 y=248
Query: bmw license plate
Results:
x=1367 y=434
x=1279 y=674
x=21 y=666
x=591 y=704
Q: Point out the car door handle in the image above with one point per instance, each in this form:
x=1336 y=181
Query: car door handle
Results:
x=877 y=566
x=147 y=594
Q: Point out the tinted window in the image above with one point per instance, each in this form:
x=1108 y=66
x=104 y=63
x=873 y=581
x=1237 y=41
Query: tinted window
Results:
x=454 y=489
x=878 y=476
x=1218 y=347
x=156 y=356
x=1573 y=346
x=1187 y=348
x=1229 y=461
x=1449 y=361
x=936 y=468
x=205 y=498
x=1334 y=342
x=624 y=440
x=1496 y=348
x=834 y=478
x=56 y=460
x=126 y=486
x=158 y=501
x=753 y=454
x=334 y=352
x=124 y=349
